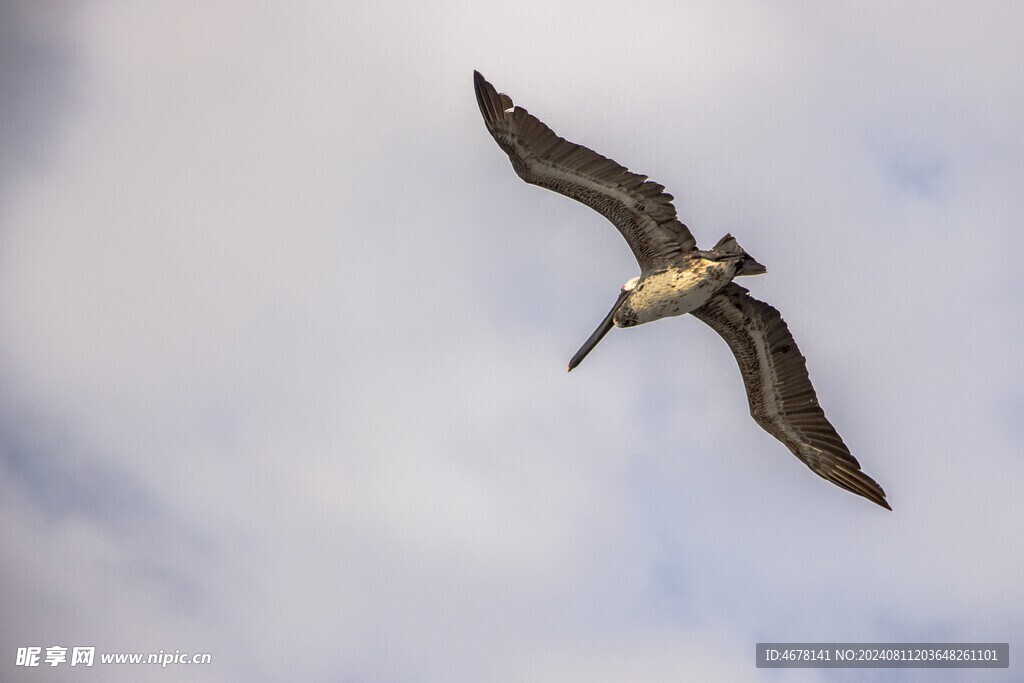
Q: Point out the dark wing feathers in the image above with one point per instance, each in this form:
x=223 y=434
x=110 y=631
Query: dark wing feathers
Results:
x=639 y=208
x=779 y=390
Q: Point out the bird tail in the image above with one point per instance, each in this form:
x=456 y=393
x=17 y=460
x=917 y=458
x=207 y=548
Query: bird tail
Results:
x=728 y=246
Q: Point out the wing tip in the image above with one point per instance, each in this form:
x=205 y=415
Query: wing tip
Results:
x=870 y=489
x=492 y=103
x=480 y=87
x=881 y=502
x=859 y=483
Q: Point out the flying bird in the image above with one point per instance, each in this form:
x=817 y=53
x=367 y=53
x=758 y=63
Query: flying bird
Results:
x=678 y=278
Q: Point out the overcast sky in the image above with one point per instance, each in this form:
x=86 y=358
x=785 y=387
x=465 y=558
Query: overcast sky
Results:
x=283 y=339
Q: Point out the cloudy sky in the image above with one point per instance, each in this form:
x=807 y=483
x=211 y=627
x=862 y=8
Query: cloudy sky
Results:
x=283 y=339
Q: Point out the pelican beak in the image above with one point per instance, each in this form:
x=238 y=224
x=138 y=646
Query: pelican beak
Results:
x=602 y=329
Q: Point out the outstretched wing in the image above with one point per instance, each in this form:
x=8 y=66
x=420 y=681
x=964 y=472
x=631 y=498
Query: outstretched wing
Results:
x=779 y=390
x=639 y=208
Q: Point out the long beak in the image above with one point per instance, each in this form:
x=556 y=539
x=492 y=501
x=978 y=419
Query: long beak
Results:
x=602 y=329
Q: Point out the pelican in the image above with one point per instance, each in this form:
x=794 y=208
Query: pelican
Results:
x=677 y=278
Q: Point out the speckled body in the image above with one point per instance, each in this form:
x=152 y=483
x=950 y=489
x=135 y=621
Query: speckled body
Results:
x=675 y=290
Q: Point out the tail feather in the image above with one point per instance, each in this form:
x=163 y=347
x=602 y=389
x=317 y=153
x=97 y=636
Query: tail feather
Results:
x=748 y=265
x=729 y=245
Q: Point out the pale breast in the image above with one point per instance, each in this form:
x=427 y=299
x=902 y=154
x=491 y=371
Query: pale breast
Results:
x=674 y=291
